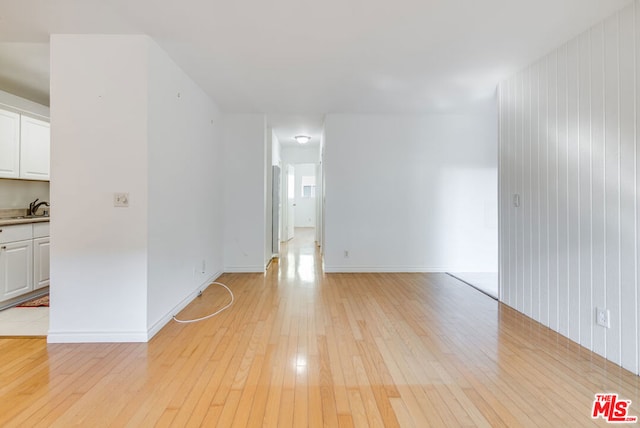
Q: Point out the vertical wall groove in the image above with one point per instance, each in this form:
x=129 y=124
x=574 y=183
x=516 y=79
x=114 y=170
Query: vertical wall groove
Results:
x=590 y=293
x=606 y=216
x=535 y=183
x=635 y=169
x=532 y=187
x=556 y=296
x=619 y=76
x=568 y=146
x=627 y=178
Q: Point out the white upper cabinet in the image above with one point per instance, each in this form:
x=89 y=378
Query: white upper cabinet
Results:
x=34 y=149
x=9 y=144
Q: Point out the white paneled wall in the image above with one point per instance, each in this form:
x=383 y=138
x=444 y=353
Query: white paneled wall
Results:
x=569 y=149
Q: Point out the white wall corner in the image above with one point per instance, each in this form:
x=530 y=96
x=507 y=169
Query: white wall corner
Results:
x=158 y=325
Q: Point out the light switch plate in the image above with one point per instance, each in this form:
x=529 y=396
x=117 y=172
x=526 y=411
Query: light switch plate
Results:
x=516 y=200
x=121 y=200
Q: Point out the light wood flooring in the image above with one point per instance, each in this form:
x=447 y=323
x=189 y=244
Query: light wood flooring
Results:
x=300 y=348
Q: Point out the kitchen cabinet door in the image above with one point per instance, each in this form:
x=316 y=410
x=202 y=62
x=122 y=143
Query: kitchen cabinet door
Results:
x=35 y=145
x=40 y=262
x=9 y=144
x=16 y=269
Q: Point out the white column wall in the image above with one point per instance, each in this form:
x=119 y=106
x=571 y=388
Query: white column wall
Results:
x=99 y=146
x=125 y=118
x=185 y=189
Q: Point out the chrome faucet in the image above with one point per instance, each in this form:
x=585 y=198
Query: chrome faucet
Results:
x=33 y=206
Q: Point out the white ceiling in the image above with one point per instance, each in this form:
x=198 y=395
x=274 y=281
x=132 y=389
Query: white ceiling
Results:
x=24 y=70
x=302 y=59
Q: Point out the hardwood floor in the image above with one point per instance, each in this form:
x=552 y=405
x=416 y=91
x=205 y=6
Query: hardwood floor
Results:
x=300 y=348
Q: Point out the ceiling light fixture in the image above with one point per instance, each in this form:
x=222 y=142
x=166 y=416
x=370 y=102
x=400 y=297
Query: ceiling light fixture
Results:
x=302 y=139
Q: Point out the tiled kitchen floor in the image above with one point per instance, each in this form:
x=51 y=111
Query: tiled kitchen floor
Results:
x=24 y=322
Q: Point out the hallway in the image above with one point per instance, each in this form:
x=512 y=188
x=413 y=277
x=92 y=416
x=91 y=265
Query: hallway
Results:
x=300 y=260
x=303 y=348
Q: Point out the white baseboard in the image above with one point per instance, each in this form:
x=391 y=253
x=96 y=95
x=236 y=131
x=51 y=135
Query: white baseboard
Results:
x=127 y=336
x=384 y=269
x=244 y=269
x=96 y=336
x=157 y=326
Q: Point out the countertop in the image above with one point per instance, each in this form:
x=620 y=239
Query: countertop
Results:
x=25 y=220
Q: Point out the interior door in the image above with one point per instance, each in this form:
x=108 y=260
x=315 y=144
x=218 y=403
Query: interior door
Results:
x=291 y=200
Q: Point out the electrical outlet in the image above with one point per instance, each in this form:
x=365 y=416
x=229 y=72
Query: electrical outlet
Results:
x=603 y=317
x=203 y=267
x=121 y=200
x=346 y=254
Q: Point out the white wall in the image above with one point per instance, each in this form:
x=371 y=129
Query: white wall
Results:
x=245 y=194
x=568 y=132
x=99 y=146
x=300 y=154
x=277 y=161
x=119 y=125
x=185 y=188
x=411 y=193
x=320 y=196
x=275 y=149
x=268 y=182
x=305 y=212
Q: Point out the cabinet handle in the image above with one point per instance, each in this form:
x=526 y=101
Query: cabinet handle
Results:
x=4 y=247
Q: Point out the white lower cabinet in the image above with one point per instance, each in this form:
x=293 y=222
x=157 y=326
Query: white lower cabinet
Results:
x=16 y=269
x=40 y=262
x=24 y=259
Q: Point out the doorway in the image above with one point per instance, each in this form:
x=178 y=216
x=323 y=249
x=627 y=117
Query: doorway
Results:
x=300 y=192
